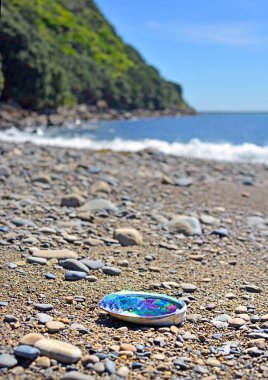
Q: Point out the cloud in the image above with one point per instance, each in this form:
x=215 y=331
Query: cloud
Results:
x=233 y=34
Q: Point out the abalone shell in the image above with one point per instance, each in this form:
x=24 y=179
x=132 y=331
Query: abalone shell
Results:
x=144 y=308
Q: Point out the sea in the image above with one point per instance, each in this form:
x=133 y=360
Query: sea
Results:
x=241 y=137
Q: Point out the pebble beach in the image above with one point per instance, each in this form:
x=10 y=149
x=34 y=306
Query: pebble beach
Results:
x=76 y=225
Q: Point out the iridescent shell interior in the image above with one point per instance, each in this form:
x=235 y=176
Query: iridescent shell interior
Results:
x=140 y=304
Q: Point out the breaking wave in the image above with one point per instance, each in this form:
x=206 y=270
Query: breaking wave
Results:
x=246 y=152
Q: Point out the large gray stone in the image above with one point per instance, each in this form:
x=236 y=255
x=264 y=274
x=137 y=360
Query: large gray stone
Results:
x=61 y=351
x=99 y=205
x=128 y=236
x=75 y=265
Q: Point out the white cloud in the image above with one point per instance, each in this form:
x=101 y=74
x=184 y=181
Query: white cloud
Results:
x=233 y=34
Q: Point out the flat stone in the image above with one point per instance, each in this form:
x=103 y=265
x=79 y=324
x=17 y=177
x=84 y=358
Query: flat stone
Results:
x=93 y=242
x=54 y=326
x=7 y=361
x=50 y=276
x=24 y=223
x=112 y=271
x=74 y=275
x=26 y=352
x=74 y=375
x=221 y=232
x=209 y=220
x=43 y=306
x=188 y=288
x=10 y=318
x=75 y=265
x=90 y=359
x=230 y=296
x=184 y=181
x=128 y=236
x=31 y=338
x=212 y=362
x=252 y=288
x=91 y=278
x=44 y=178
x=189 y=336
x=79 y=327
x=72 y=200
x=55 y=254
x=253 y=221
x=99 y=205
x=47 y=230
x=61 y=351
x=92 y=264
x=36 y=260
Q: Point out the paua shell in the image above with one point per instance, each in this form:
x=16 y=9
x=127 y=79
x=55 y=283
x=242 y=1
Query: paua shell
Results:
x=144 y=308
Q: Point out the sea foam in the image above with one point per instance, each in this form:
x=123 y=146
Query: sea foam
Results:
x=246 y=152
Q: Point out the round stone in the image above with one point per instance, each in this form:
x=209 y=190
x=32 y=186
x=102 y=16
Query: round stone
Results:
x=43 y=318
x=7 y=361
x=31 y=338
x=99 y=367
x=236 y=322
x=128 y=347
x=240 y=309
x=54 y=326
x=43 y=362
x=123 y=372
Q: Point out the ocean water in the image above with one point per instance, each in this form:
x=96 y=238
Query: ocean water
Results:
x=228 y=137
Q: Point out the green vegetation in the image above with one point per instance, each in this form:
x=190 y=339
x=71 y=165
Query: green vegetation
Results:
x=57 y=52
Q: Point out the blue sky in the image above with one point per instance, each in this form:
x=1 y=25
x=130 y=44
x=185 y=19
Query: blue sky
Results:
x=217 y=49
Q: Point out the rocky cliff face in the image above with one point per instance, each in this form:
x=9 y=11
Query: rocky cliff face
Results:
x=64 y=52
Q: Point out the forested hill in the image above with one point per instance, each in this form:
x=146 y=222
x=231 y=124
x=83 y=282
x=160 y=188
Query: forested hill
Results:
x=64 y=52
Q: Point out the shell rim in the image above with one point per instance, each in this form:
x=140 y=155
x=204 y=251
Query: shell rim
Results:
x=181 y=311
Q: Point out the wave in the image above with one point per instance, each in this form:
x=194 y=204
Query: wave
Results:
x=195 y=148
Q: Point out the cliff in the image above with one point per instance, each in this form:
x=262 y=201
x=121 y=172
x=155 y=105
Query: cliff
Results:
x=64 y=52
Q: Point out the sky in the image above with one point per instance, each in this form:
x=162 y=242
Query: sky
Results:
x=216 y=49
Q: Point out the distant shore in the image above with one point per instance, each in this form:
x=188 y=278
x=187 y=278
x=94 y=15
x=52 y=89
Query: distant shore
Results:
x=14 y=116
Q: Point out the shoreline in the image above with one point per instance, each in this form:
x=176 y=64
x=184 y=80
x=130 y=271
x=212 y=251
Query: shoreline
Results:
x=20 y=118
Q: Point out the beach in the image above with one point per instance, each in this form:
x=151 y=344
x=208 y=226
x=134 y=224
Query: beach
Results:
x=199 y=233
